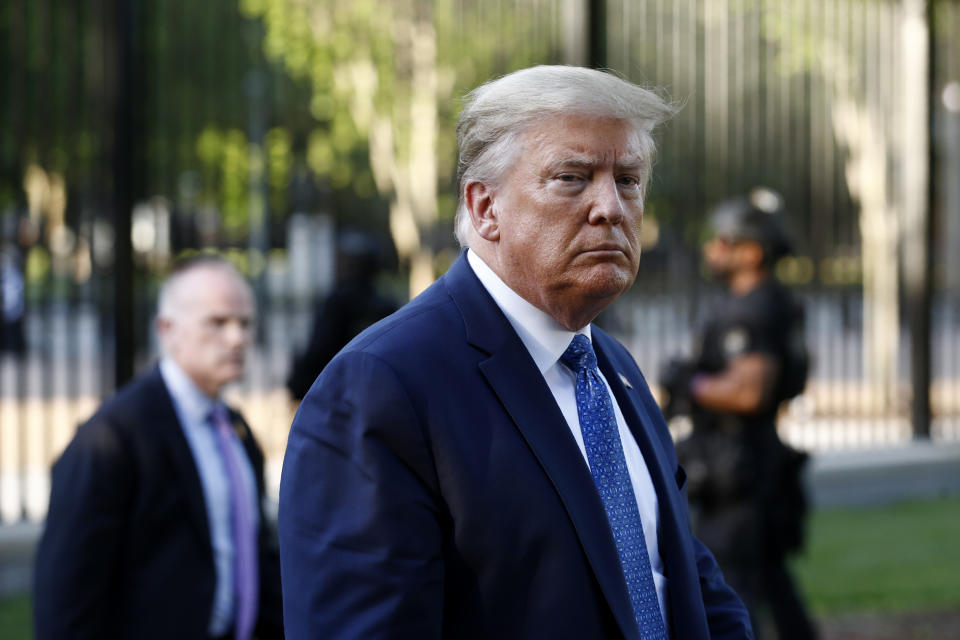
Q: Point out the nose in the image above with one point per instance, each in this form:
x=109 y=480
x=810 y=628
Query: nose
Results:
x=237 y=334
x=608 y=205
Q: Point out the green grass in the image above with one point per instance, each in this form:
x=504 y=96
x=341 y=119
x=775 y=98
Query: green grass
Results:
x=15 y=621
x=896 y=558
x=889 y=559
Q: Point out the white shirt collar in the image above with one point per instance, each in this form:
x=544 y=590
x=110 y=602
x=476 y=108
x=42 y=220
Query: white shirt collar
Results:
x=193 y=402
x=545 y=338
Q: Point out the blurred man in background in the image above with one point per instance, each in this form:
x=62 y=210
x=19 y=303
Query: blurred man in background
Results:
x=743 y=482
x=155 y=527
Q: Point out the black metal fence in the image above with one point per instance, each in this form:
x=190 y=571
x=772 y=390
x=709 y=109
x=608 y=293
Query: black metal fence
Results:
x=849 y=109
x=137 y=129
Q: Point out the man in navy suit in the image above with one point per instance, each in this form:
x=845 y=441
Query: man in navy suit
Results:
x=155 y=527
x=484 y=463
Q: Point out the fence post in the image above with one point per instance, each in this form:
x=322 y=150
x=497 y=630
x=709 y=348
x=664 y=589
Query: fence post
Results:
x=597 y=34
x=917 y=60
x=124 y=193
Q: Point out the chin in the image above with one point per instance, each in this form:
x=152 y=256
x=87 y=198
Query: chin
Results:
x=608 y=282
x=231 y=375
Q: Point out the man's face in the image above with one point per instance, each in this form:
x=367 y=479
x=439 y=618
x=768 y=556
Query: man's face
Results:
x=719 y=254
x=725 y=257
x=210 y=328
x=569 y=215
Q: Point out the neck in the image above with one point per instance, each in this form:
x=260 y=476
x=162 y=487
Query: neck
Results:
x=575 y=318
x=571 y=312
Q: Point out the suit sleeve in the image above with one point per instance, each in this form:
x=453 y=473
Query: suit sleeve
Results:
x=359 y=526
x=726 y=615
x=74 y=581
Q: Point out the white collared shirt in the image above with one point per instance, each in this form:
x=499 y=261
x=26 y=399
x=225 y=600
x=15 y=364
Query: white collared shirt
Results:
x=193 y=407
x=546 y=340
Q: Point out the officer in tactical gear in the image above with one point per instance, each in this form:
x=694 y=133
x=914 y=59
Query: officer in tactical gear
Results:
x=744 y=483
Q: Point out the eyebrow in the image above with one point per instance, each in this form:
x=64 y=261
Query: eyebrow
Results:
x=588 y=163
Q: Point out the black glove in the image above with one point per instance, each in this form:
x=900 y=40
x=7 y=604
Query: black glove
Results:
x=675 y=379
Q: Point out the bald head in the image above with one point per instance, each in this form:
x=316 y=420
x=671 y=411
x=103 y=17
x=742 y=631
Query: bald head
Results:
x=205 y=315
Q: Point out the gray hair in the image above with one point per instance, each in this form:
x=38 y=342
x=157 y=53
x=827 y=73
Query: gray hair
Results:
x=498 y=112
x=167 y=302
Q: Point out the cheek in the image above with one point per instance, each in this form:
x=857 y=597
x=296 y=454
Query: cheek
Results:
x=205 y=348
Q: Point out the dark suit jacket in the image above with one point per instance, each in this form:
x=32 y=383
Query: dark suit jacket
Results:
x=431 y=488
x=126 y=551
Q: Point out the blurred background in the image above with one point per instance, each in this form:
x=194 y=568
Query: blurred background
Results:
x=135 y=131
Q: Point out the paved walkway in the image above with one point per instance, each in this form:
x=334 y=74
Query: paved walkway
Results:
x=861 y=478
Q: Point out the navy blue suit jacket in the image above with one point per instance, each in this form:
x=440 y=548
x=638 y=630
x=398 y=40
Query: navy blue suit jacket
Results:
x=126 y=550
x=431 y=488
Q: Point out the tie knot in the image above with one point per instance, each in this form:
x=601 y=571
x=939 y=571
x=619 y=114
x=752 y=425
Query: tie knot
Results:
x=579 y=355
x=218 y=415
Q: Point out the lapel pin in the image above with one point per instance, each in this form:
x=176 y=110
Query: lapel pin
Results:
x=624 y=380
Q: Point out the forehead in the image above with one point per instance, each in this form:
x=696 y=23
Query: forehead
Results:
x=213 y=289
x=584 y=139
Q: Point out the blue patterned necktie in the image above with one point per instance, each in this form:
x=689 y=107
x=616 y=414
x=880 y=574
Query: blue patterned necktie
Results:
x=608 y=466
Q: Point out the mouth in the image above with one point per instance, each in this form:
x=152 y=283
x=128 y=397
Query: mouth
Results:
x=235 y=361
x=607 y=249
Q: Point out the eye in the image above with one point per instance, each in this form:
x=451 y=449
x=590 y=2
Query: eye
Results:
x=629 y=181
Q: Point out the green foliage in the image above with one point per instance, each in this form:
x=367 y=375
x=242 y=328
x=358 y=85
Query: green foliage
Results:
x=279 y=167
x=883 y=559
x=15 y=621
x=315 y=78
x=37 y=265
x=360 y=59
x=189 y=94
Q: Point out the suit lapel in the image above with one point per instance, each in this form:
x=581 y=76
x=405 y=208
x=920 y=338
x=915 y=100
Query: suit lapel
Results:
x=636 y=417
x=521 y=389
x=677 y=559
x=161 y=419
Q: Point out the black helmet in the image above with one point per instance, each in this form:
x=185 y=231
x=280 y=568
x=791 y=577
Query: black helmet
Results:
x=756 y=217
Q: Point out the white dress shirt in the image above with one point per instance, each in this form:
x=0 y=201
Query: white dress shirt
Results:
x=546 y=340
x=193 y=407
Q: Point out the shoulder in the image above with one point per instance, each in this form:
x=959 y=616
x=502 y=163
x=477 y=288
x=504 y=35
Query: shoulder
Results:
x=108 y=448
x=771 y=299
x=618 y=354
x=120 y=416
x=623 y=363
x=132 y=399
x=427 y=323
x=419 y=352
x=753 y=316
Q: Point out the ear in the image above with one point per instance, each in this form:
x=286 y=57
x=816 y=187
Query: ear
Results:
x=478 y=199
x=162 y=326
